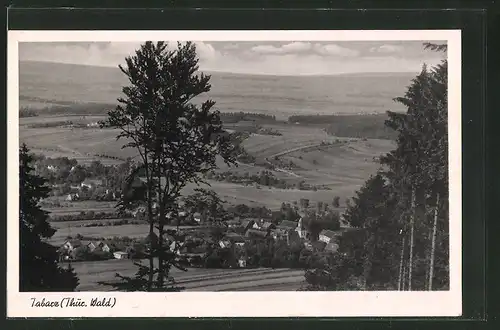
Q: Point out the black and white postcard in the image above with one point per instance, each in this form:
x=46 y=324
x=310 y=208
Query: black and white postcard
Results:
x=234 y=173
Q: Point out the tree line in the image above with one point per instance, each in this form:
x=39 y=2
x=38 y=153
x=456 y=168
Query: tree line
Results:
x=369 y=126
x=403 y=209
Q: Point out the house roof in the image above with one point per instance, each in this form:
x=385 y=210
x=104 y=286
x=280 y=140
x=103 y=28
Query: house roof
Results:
x=247 y=222
x=235 y=237
x=74 y=242
x=286 y=224
x=194 y=254
x=329 y=233
x=267 y=225
x=319 y=245
x=256 y=232
x=92 y=181
x=233 y=222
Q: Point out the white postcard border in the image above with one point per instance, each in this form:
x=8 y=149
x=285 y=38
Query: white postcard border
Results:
x=243 y=304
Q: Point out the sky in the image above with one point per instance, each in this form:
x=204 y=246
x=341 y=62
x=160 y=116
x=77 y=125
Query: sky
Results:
x=270 y=58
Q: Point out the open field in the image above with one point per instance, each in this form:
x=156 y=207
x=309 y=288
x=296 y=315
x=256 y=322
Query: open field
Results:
x=271 y=197
x=132 y=231
x=85 y=145
x=342 y=166
x=195 y=279
x=293 y=136
x=76 y=207
x=59 y=118
x=77 y=224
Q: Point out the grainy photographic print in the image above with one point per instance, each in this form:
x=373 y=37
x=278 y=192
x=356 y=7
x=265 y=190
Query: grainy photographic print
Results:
x=284 y=167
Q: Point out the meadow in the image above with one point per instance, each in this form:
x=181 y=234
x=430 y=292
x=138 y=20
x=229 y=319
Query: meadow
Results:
x=59 y=206
x=132 y=231
x=195 y=279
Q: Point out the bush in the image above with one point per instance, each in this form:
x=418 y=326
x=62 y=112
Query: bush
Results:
x=213 y=261
x=336 y=201
x=26 y=112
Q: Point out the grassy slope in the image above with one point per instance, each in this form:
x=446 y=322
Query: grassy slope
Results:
x=343 y=167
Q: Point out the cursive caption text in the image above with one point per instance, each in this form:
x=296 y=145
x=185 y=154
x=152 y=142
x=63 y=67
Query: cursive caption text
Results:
x=70 y=302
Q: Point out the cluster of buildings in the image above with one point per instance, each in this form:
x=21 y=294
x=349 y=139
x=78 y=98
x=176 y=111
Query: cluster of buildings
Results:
x=290 y=231
x=239 y=231
x=70 y=249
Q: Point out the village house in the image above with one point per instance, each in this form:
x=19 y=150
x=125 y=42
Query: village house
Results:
x=246 y=224
x=91 y=246
x=225 y=243
x=257 y=223
x=287 y=225
x=301 y=229
x=104 y=247
x=111 y=193
x=120 y=255
x=197 y=217
x=242 y=262
x=283 y=229
x=277 y=234
x=139 y=212
x=91 y=183
x=314 y=246
x=327 y=236
x=236 y=239
x=70 y=245
x=256 y=234
x=267 y=226
x=235 y=223
x=52 y=168
x=72 y=197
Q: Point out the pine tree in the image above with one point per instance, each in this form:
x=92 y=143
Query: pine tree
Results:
x=39 y=269
x=419 y=164
x=404 y=209
x=177 y=141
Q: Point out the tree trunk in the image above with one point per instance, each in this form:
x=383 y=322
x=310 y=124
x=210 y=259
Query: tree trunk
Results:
x=412 y=234
x=433 y=245
x=401 y=279
x=151 y=223
x=429 y=238
x=161 y=266
x=368 y=262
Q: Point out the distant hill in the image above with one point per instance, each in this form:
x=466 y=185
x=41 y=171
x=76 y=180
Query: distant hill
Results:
x=43 y=84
